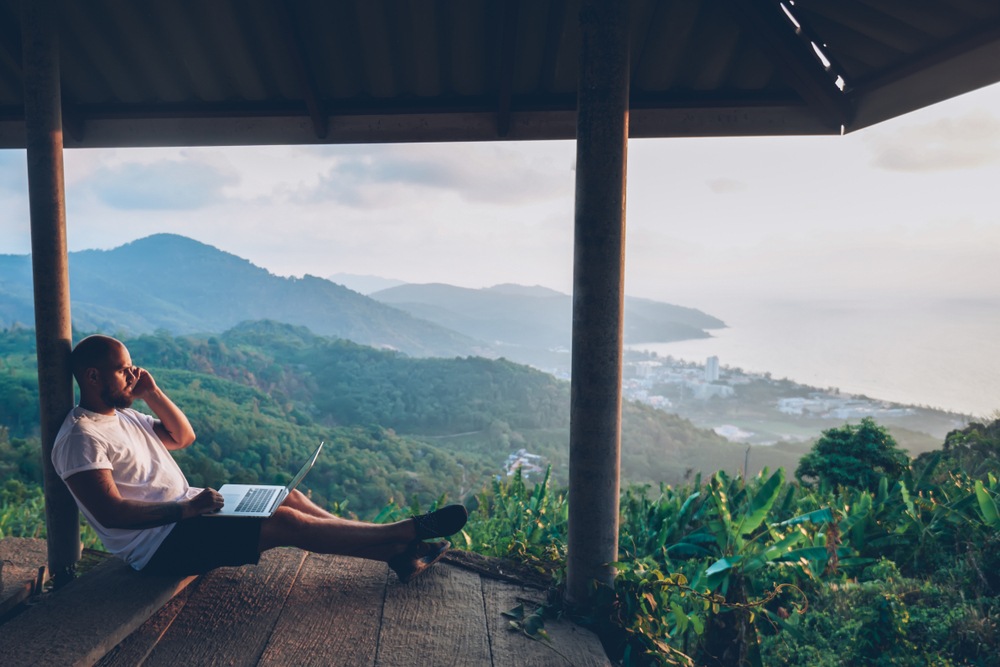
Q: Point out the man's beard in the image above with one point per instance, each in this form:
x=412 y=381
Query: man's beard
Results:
x=118 y=399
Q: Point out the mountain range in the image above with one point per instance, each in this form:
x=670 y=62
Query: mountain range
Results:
x=537 y=316
x=171 y=282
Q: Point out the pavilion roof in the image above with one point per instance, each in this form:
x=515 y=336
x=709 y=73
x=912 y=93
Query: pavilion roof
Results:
x=226 y=72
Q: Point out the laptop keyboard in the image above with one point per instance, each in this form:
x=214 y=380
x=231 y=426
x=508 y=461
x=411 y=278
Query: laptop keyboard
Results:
x=256 y=500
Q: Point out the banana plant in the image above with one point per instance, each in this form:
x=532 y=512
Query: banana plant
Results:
x=746 y=542
x=987 y=505
x=515 y=521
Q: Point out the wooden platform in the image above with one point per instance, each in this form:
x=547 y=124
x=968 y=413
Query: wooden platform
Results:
x=24 y=571
x=298 y=608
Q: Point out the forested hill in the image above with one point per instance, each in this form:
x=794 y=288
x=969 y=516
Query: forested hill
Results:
x=175 y=283
x=337 y=382
x=261 y=392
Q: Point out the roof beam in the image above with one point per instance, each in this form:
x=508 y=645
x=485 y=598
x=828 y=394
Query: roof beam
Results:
x=307 y=83
x=508 y=40
x=792 y=54
x=957 y=66
x=269 y=127
x=937 y=54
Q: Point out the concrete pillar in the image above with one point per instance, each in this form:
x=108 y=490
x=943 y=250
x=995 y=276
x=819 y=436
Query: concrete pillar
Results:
x=50 y=267
x=598 y=295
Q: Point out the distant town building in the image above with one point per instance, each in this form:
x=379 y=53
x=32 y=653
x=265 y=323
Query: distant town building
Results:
x=712 y=369
x=734 y=433
x=705 y=390
x=528 y=463
x=834 y=407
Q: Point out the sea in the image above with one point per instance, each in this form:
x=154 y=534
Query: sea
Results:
x=935 y=353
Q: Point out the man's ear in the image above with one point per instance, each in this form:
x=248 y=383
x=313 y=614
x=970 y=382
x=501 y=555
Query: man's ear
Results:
x=92 y=376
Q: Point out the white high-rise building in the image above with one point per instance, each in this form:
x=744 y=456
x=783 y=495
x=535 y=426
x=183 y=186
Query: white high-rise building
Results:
x=711 y=369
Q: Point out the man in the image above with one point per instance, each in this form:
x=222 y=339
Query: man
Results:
x=115 y=462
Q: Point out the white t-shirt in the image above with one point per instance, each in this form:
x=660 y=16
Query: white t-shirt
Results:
x=140 y=465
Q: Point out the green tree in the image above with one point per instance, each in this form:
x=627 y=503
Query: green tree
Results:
x=857 y=456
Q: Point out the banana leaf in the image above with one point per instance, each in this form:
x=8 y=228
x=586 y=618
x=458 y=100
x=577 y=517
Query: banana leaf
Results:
x=925 y=477
x=824 y=515
x=849 y=521
x=687 y=503
x=784 y=546
x=813 y=553
x=988 y=506
x=698 y=538
x=719 y=571
x=724 y=565
x=762 y=503
x=911 y=510
x=883 y=491
x=962 y=503
x=684 y=550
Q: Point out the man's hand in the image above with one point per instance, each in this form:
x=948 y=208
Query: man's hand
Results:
x=173 y=429
x=144 y=383
x=209 y=500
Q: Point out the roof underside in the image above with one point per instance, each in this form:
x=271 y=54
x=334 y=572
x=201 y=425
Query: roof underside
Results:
x=233 y=72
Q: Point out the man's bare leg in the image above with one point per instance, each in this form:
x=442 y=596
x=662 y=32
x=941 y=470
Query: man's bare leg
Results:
x=292 y=527
x=299 y=501
x=302 y=503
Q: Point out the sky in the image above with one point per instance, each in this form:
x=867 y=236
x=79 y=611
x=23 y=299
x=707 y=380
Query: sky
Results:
x=907 y=208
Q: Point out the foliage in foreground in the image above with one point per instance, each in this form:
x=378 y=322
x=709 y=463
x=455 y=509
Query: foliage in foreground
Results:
x=22 y=514
x=769 y=572
x=758 y=571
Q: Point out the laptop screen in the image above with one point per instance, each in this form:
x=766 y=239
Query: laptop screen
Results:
x=304 y=469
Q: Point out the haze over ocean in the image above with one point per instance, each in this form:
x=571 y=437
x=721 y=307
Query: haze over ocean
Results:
x=939 y=353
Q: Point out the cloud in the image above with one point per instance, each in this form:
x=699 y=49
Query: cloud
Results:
x=967 y=142
x=160 y=185
x=15 y=233
x=14 y=171
x=374 y=178
x=726 y=186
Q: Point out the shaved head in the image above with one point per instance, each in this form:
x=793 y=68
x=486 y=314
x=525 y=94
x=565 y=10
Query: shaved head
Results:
x=93 y=352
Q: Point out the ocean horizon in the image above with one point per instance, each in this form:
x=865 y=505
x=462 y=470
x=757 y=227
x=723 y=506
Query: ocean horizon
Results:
x=937 y=353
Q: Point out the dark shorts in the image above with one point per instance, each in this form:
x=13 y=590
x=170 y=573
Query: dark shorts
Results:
x=200 y=544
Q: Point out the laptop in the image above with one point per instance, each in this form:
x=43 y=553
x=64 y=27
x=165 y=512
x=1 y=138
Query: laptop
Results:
x=257 y=500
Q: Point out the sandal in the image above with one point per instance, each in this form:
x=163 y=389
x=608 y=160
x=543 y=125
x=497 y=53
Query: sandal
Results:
x=409 y=564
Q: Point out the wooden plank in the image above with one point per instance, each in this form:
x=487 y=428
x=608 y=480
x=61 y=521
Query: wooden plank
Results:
x=229 y=619
x=20 y=575
x=134 y=649
x=332 y=616
x=578 y=646
x=437 y=620
x=79 y=623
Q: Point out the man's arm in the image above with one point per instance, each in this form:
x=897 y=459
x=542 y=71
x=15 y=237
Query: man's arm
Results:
x=97 y=490
x=173 y=429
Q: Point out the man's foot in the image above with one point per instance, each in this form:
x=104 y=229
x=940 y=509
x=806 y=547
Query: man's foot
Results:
x=417 y=558
x=444 y=522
